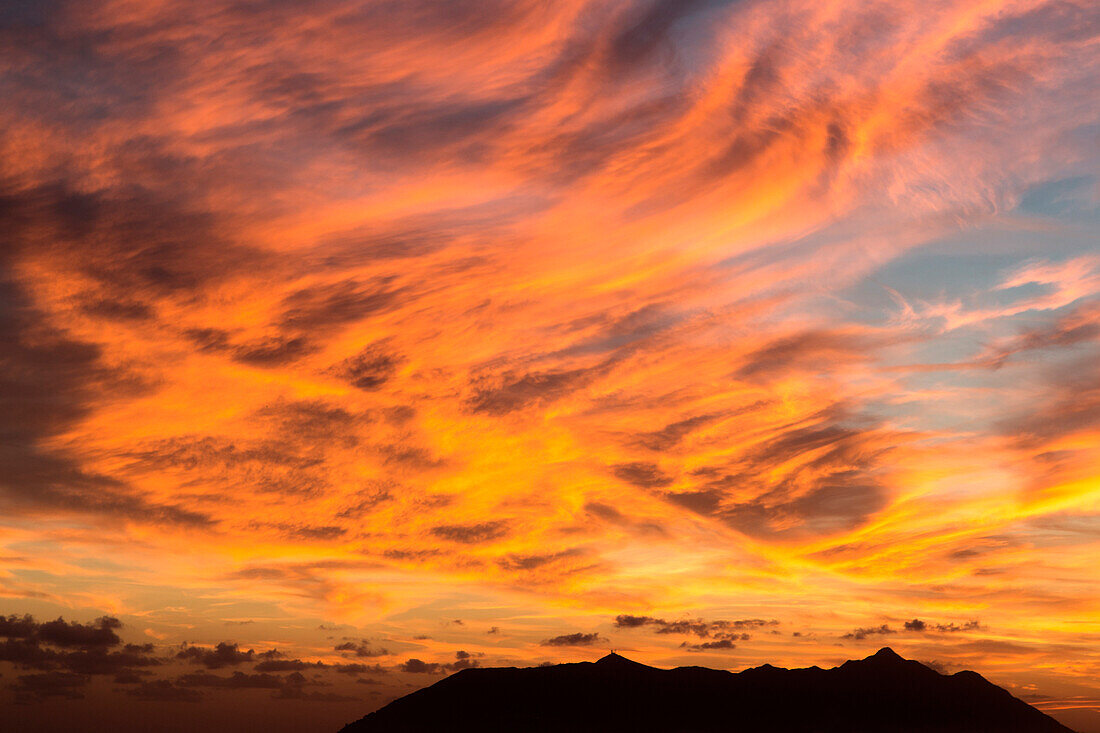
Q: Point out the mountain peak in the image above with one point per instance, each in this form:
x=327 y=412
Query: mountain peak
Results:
x=886 y=654
x=614 y=660
x=885 y=660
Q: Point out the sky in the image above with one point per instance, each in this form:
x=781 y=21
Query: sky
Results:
x=348 y=344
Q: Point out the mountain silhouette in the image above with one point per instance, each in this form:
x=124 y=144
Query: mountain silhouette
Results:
x=883 y=693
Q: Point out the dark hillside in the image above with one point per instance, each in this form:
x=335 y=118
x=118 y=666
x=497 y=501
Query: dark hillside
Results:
x=880 y=694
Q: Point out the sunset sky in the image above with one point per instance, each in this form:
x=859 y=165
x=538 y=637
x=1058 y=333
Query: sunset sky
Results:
x=387 y=338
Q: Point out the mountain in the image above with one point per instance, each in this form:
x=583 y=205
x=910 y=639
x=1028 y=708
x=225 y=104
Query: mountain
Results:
x=880 y=694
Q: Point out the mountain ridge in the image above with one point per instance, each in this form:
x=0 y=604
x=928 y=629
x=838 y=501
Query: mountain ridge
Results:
x=882 y=693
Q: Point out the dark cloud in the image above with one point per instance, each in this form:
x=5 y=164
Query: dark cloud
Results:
x=368 y=681
x=27 y=16
x=362 y=648
x=209 y=339
x=100 y=633
x=757 y=126
x=625 y=334
x=236 y=681
x=297 y=693
x=354 y=248
x=841 y=503
x=1069 y=404
x=672 y=434
x=356 y=668
x=117 y=310
x=766 y=492
x=274 y=351
x=418 y=666
x=643 y=34
x=222 y=655
x=584 y=150
x=626 y=621
x=270 y=466
x=66 y=685
x=286 y=665
x=863 y=633
x=304 y=532
x=603 y=511
x=699 y=627
x=511 y=391
x=417 y=555
x=577 y=639
x=394 y=123
x=293 y=688
x=137 y=242
x=77 y=648
x=463 y=660
x=365 y=501
x=471 y=533
x=532 y=562
x=100 y=661
x=806 y=351
x=50 y=382
x=370 y=368
x=18 y=627
x=399 y=414
x=164 y=691
x=324 y=307
x=459 y=124
x=941 y=667
x=410 y=456
x=262 y=573
x=129 y=677
x=614 y=516
x=311 y=421
x=1080 y=326
x=265 y=352
x=643 y=475
x=949 y=628
x=193 y=452
x=705 y=501
x=709 y=645
x=721 y=628
x=28 y=654
x=747 y=148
